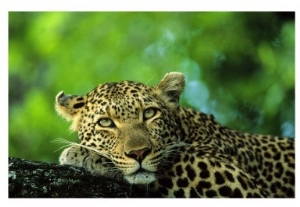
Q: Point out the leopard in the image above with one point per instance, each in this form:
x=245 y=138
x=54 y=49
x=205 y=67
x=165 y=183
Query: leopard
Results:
x=141 y=135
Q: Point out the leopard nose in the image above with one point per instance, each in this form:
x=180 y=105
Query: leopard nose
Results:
x=138 y=155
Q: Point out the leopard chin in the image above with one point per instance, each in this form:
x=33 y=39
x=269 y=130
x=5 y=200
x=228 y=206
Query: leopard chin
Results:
x=141 y=178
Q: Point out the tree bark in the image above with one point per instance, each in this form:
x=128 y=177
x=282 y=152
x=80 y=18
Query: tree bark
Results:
x=32 y=179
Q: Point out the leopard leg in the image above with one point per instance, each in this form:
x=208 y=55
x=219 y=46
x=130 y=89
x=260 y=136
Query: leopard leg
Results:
x=94 y=163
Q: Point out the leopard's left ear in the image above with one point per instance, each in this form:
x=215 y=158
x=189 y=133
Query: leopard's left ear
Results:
x=170 y=88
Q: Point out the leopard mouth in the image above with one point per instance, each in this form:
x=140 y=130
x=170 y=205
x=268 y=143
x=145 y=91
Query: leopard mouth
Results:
x=141 y=177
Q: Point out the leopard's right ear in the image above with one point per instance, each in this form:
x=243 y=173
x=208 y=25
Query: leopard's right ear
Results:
x=69 y=107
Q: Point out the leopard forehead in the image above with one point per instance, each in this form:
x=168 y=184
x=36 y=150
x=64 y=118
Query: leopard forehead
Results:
x=122 y=88
x=122 y=99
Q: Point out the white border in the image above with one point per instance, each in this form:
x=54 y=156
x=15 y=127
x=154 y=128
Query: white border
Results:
x=149 y=5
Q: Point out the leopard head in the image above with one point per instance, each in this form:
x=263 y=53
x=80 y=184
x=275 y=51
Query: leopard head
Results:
x=133 y=125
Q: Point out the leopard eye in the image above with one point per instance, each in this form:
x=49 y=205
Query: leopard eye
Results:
x=149 y=113
x=106 y=122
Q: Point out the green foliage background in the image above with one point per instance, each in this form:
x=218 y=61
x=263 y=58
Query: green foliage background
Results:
x=238 y=66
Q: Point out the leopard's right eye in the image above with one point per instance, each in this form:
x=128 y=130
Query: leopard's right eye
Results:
x=106 y=122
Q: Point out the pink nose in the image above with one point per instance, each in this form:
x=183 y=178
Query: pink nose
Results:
x=138 y=155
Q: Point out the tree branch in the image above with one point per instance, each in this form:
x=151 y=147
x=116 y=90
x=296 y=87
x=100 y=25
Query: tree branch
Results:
x=32 y=179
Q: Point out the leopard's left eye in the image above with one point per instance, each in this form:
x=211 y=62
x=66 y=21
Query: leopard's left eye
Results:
x=149 y=113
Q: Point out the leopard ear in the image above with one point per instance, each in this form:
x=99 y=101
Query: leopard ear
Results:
x=170 y=88
x=69 y=107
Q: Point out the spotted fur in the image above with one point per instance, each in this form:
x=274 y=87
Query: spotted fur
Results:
x=133 y=132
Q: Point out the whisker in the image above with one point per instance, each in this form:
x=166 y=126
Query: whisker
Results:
x=171 y=151
x=69 y=144
x=150 y=79
x=173 y=147
x=62 y=141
